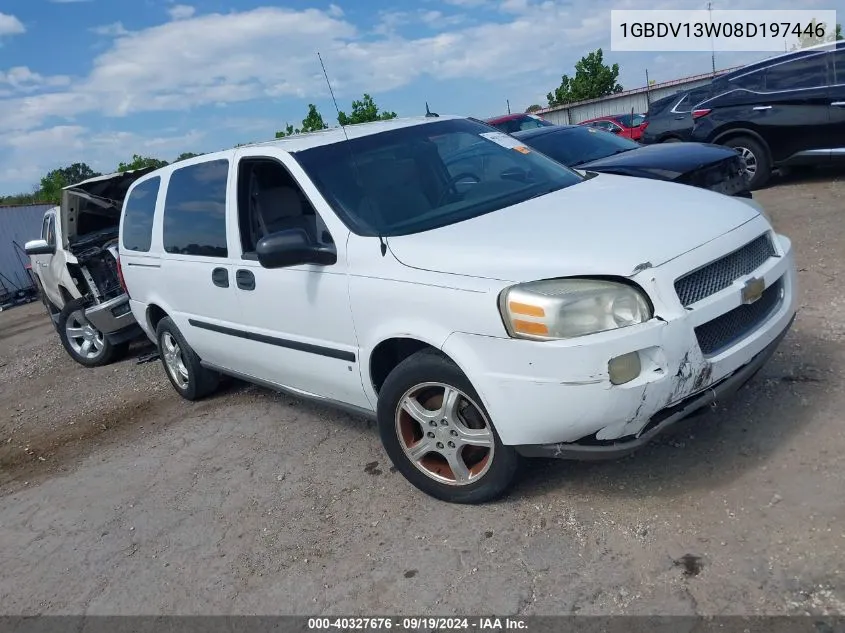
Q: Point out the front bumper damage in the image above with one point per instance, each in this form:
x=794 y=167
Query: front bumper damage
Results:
x=663 y=419
x=555 y=397
x=114 y=319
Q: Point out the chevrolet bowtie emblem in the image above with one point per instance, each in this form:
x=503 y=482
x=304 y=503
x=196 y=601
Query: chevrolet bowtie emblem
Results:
x=753 y=290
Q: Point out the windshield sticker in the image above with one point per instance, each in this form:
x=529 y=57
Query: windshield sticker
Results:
x=500 y=138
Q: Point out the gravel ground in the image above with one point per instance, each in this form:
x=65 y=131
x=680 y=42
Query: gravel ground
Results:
x=120 y=498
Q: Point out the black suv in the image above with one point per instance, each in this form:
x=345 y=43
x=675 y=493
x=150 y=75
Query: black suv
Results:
x=670 y=119
x=785 y=111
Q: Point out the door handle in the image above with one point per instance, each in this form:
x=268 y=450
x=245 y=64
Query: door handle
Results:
x=840 y=104
x=245 y=280
x=762 y=108
x=220 y=277
x=680 y=118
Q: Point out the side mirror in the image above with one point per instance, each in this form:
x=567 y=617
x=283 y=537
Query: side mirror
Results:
x=292 y=247
x=38 y=247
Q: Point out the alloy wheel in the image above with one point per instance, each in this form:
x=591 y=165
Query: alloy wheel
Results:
x=444 y=433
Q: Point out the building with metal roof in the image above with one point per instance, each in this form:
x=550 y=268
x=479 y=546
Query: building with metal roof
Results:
x=635 y=100
x=18 y=224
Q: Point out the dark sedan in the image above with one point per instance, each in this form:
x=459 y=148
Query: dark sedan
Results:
x=712 y=167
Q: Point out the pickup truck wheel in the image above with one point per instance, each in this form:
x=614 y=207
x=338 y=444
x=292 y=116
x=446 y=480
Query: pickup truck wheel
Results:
x=191 y=380
x=757 y=165
x=85 y=343
x=438 y=435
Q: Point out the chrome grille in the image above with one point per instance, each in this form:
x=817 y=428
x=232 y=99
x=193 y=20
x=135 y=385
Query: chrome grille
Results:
x=720 y=274
x=723 y=331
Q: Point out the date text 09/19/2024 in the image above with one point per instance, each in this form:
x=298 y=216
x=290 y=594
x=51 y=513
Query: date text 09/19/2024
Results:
x=418 y=623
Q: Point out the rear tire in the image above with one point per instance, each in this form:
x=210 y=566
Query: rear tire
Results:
x=189 y=378
x=671 y=139
x=83 y=342
x=759 y=167
x=438 y=434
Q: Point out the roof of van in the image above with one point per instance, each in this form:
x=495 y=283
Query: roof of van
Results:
x=307 y=140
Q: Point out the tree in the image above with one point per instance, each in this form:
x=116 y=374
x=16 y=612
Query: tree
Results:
x=364 y=111
x=312 y=122
x=52 y=185
x=533 y=108
x=593 y=79
x=809 y=37
x=185 y=156
x=141 y=162
x=288 y=131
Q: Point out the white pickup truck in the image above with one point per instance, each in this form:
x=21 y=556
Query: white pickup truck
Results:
x=77 y=272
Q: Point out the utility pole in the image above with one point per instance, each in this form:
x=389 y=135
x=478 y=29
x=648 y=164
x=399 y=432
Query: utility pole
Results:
x=712 y=47
x=647 y=88
x=509 y=105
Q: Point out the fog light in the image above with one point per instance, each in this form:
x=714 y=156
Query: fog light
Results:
x=624 y=368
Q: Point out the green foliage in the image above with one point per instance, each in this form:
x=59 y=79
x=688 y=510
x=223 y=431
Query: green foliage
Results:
x=186 y=156
x=533 y=108
x=364 y=111
x=839 y=32
x=52 y=185
x=593 y=79
x=140 y=162
x=312 y=122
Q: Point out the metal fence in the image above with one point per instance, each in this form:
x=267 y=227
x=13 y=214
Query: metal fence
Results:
x=636 y=100
x=18 y=224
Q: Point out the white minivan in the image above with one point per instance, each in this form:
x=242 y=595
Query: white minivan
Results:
x=482 y=309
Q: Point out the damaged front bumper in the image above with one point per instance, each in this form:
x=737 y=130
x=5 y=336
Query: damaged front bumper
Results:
x=660 y=421
x=114 y=319
x=558 y=393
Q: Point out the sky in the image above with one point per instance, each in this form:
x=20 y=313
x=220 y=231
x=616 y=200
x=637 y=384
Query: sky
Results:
x=97 y=81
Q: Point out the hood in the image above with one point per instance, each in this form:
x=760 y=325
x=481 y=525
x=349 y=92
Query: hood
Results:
x=95 y=204
x=665 y=160
x=607 y=225
x=111 y=186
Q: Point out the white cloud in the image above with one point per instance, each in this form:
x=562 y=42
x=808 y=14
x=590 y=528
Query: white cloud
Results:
x=181 y=12
x=270 y=52
x=10 y=25
x=27 y=156
x=115 y=29
x=22 y=79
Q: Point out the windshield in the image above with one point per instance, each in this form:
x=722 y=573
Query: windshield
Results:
x=631 y=120
x=427 y=176
x=576 y=145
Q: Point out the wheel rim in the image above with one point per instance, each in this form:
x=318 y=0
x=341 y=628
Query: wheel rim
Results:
x=173 y=360
x=444 y=433
x=750 y=160
x=85 y=340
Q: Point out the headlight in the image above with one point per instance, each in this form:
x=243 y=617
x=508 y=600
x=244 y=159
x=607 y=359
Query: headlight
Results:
x=566 y=308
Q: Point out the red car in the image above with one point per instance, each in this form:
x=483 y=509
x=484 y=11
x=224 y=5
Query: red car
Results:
x=626 y=125
x=510 y=123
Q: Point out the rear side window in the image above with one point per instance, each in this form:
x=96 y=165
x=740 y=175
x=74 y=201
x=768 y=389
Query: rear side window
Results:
x=138 y=216
x=195 y=210
x=806 y=72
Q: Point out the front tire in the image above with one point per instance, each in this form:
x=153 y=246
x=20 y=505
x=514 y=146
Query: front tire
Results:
x=189 y=378
x=438 y=434
x=83 y=342
x=758 y=166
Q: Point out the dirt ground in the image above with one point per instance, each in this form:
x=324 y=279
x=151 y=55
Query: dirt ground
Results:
x=118 y=497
